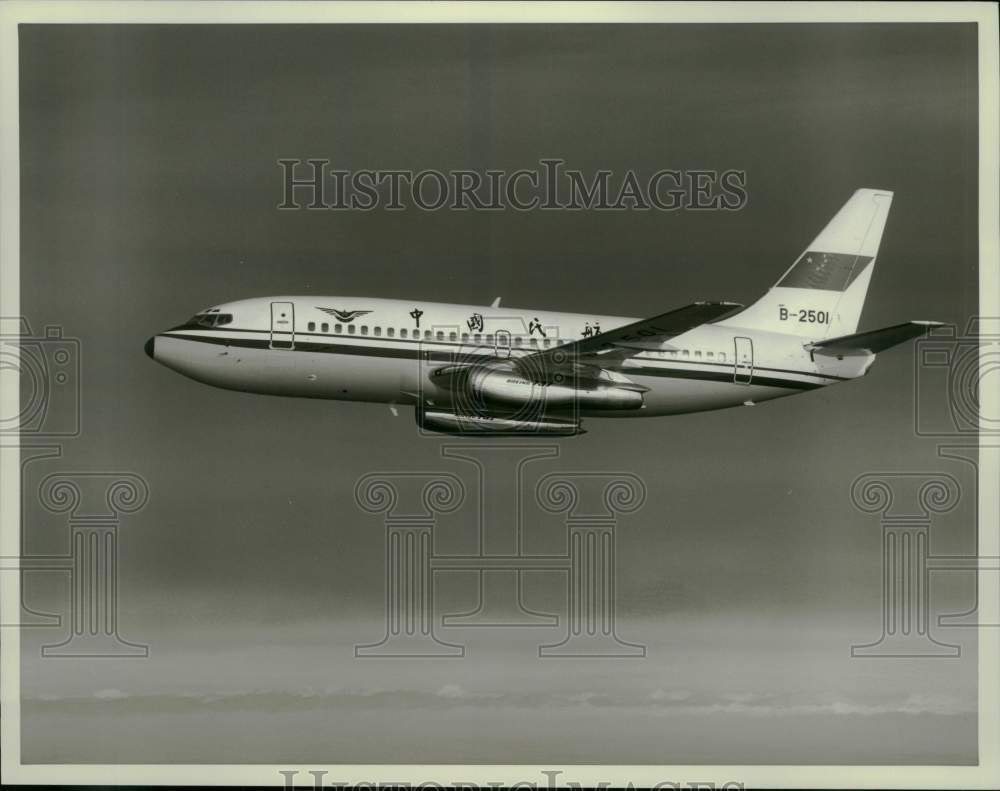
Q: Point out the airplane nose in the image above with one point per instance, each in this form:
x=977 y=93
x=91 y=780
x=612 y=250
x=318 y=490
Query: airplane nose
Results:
x=150 y=348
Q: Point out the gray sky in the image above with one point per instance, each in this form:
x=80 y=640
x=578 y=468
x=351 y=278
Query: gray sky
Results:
x=149 y=186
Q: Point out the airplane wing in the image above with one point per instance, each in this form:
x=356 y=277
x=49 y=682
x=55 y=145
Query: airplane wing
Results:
x=624 y=342
x=872 y=342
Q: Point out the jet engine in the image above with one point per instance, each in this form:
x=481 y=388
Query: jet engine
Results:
x=506 y=387
x=454 y=423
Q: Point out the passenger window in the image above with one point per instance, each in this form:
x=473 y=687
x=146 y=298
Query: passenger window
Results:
x=545 y=343
x=390 y=332
x=479 y=337
x=685 y=353
x=489 y=339
x=312 y=326
x=351 y=329
x=440 y=335
x=697 y=353
x=378 y=332
x=534 y=341
x=452 y=336
x=709 y=354
x=518 y=340
x=337 y=328
x=427 y=335
x=325 y=327
x=364 y=329
x=402 y=333
x=722 y=356
x=465 y=337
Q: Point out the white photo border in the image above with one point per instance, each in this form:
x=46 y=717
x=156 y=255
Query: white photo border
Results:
x=985 y=15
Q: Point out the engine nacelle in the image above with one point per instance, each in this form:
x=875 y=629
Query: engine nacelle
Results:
x=511 y=389
x=452 y=423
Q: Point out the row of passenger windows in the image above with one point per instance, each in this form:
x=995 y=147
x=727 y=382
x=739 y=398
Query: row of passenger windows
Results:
x=427 y=335
x=687 y=354
x=517 y=340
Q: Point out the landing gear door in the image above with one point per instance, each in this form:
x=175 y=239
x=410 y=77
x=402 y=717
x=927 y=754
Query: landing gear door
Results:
x=502 y=346
x=743 y=361
x=282 y=325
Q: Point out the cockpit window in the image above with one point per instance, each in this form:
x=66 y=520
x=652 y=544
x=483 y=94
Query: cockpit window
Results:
x=211 y=319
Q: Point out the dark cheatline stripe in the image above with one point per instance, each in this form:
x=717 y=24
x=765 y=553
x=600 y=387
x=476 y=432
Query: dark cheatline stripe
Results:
x=408 y=353
x=719 y=376
x=413 y=353
x=825 y=271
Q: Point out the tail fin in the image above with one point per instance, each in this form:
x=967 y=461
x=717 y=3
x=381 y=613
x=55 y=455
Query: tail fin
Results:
x=823 y=292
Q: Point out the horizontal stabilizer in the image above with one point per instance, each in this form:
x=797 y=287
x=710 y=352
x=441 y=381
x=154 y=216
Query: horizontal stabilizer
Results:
x=864 y=343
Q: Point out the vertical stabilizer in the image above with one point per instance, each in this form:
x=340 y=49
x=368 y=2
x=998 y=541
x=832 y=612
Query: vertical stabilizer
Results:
x=822 y=294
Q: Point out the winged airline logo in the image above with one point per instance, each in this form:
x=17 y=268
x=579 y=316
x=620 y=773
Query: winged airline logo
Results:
x=345 y=315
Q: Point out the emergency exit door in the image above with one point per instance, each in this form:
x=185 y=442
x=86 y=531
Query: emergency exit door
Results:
x=502 y=344
x=743 y=361
x=282 y=325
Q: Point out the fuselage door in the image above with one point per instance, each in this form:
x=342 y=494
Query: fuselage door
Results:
x=282 y=325
x=502 y=343
x=743 y=361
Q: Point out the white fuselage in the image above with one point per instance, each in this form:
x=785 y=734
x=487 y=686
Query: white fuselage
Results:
x=385 y=350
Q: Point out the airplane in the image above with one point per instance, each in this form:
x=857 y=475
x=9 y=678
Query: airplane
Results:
x=499 y=371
